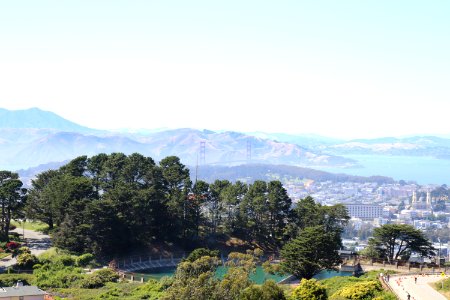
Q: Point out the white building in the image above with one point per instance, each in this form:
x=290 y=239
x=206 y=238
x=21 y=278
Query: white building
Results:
x=365 y=211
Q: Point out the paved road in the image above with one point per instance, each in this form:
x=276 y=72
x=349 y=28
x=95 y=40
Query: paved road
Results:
x=36 y=241
x=402 y=285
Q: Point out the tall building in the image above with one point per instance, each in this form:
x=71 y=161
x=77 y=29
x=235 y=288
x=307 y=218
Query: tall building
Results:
x=364 y=211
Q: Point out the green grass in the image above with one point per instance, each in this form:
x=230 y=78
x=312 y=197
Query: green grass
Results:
x=443 y=283
x=31 y=225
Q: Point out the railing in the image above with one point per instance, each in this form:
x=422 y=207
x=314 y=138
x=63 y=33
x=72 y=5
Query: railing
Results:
x=136 y=263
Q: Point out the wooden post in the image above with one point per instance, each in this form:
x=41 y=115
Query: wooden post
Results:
x=142 y=279
x=132 y=278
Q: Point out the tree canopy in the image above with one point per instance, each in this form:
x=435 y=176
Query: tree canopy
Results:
x=106 y=203
x=12 y=200
x=314 y=249
x=399 y=241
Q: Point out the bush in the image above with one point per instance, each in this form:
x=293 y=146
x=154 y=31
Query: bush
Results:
x=65 y=260
x=152 y=289
x=54 y=276
x=359 y=291
x=99 y=278
x=11 y=279
x=26 y=260
x=84 y=260
x=268 y=291
x=11 y=246
x=309 y=290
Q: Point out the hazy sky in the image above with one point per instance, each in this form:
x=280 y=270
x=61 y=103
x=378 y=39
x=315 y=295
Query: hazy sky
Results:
x=336 y=68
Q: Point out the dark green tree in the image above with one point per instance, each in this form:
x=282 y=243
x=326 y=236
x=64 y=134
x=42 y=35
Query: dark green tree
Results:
x=216 y=204
x=40 y=203
x=254 y=211
x=232 y=198
x=176 y=186
x=315 y=249
x=12 y=200
x=279 y=207
x=398 y=241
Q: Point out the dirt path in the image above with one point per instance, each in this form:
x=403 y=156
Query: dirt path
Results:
x=402 y=285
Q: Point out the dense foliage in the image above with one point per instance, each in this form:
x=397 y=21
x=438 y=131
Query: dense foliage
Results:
x=309 y=289
x=352 y=288
x=196 y=280
x=12 y=199
x=316 y=237
x=315 y=249
x=399 y=241
x=108 y=203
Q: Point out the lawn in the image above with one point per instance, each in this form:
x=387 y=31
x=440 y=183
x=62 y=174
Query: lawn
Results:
x=31 y=225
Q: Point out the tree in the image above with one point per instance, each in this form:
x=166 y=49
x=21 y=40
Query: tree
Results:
x=314 y=249
x=394 y=241
x=176 y=185
x=232 y=197
x=41 y=205
x=279 y=207
x=194 y=280
x=199 y=252
x=12 y=200
x=253 y=210
x=308 y=213
x=309 y=290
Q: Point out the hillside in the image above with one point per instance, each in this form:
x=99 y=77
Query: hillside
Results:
x=266 y=172
x=35 y=118
x=34 y=137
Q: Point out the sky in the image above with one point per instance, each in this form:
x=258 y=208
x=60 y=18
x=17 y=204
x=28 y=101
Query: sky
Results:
x=346 y=69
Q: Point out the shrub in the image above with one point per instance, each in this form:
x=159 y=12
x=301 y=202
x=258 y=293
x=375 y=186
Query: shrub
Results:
x=11 y=279
x=99 y=278
x=84 y=260
x=268 y=291
x=26 y=260
x=152 y=289
x=54 y=276
x=309 y=290
x=11 y=246
x=359 y=291
x=65 y=260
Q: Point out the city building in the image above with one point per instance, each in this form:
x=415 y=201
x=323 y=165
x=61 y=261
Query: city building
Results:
x=364 y=211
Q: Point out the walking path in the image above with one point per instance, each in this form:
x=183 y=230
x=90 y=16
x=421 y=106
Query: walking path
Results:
x=36 y=241
x=404 y=284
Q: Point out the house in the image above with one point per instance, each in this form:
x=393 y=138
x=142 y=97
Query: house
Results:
x=19 y=292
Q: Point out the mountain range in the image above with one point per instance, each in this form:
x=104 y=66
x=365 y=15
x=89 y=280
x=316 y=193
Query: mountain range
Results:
x=34 y=137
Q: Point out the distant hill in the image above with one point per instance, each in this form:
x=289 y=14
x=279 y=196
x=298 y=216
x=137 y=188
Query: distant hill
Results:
x=35 y=118
x=252 y=172
x=62 y=146
x=410 y=146
x=34 y=137
x=230 y=148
